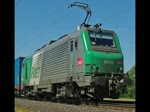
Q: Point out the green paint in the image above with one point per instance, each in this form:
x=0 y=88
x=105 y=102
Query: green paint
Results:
x=117 y=42
x=85 y=41
x=26 y=69
x=106 y=62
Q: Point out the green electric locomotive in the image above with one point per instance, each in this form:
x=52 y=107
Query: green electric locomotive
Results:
x=85 y=64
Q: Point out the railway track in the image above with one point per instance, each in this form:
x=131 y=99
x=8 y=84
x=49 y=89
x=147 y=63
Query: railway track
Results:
x=118 y=105
x=112 y=104
x=105 y=104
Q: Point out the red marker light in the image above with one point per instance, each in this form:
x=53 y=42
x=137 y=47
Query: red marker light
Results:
x=119 y=62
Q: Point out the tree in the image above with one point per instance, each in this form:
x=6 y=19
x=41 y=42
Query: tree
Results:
x=131 y=90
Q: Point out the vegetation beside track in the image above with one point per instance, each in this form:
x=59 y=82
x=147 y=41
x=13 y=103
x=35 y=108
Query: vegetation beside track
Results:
x=131 y=90
x=121 y=99
x=21 y=109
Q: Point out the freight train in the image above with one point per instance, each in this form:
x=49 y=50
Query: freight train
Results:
x=86 y=64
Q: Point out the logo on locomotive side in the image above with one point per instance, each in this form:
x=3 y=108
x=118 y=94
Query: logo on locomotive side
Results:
x=35 y=72
x=79 y=61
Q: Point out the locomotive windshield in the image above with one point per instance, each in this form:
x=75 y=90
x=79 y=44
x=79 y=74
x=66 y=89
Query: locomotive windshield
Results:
x=102 y=41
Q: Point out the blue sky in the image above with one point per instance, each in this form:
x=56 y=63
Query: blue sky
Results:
x=39 y=21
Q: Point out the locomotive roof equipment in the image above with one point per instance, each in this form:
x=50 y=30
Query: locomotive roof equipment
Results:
x=85 y=7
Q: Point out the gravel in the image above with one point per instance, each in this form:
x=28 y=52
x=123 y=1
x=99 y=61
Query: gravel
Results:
x=39 y=106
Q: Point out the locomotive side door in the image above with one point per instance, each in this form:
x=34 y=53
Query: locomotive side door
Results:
x=71 y=55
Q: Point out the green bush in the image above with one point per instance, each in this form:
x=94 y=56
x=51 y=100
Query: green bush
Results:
x=131 y=90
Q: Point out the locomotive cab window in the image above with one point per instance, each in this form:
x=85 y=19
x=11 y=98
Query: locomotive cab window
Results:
x=101 y=39
x=71 y=46
x=76 y=45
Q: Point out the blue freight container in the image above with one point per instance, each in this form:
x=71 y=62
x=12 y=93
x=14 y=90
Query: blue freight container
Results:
x=18 y=66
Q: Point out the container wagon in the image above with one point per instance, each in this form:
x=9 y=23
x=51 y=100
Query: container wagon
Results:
x=17 y=73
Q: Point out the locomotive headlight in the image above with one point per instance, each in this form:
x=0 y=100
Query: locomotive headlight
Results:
x=121 y=68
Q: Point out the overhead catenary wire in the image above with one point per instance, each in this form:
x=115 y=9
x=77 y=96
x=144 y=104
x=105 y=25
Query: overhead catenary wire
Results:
x=40 y=33
x=62 y=18
x=55 y=22
x=66 y=15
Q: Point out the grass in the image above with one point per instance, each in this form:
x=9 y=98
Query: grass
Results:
x=21 y=109
x=121 y=99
